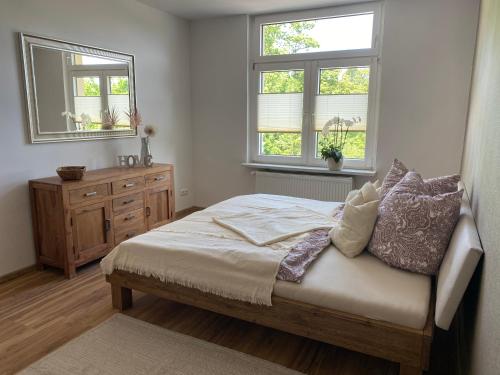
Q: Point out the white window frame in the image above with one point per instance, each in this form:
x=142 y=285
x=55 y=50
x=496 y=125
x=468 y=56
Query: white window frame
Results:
x=311 y=63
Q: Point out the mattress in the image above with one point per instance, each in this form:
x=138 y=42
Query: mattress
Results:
x=363 y=286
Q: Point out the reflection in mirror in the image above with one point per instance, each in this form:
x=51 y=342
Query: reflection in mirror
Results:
x=76 y=92
x=80 y=93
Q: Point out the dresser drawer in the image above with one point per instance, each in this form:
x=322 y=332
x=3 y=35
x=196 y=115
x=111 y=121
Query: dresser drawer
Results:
x=129 y=202
x=129 y=232
x=128 y=184
x=129 y=220
x=88 y=193
x=158 y=178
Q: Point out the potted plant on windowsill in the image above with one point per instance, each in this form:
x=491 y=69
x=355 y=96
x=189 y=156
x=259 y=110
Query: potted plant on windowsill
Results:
x=335 y=136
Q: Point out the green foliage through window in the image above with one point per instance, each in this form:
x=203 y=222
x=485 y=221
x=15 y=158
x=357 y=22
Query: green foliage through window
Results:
x=338 y=81
x=91 y=86
x=118 y=85
x=285 y=144
x=282 y=82
x=288 y=38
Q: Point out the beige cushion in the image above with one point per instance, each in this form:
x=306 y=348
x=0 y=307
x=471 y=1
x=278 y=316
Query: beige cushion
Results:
x=355 y=229
x=362 y=286
x=354 y=193
x=457 y=268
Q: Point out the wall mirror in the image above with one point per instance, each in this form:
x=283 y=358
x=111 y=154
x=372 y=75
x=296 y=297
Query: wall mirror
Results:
x=76 y=92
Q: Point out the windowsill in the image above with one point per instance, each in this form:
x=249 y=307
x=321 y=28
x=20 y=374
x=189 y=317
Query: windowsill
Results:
x=316 y=170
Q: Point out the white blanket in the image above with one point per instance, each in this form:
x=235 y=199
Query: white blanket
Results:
x=269 y=225
x=198 y=253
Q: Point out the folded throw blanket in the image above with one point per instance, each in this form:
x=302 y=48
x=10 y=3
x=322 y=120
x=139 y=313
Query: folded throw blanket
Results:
x=270 y=225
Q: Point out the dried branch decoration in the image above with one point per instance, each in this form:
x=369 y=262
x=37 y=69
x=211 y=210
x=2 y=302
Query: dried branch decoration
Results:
x=135 y=118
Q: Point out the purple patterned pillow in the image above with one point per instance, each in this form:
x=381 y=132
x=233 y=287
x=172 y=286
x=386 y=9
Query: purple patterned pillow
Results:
x=413 y=231
x=442 y=185
x=395 y=174
x=411 y=183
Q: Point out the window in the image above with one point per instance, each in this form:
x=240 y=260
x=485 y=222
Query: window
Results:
x=310 y=68
x=99 y=86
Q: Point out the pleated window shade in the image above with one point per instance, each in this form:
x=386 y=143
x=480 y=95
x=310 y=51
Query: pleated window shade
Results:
x=277 y=113
x=90 y=105
x=121 y=103
x=344 y=106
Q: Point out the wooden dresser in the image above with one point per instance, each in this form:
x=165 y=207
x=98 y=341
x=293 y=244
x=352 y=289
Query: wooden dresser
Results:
x=75 y=222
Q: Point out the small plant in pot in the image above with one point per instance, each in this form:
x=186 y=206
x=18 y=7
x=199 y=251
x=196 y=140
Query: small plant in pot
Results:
x=335 y=133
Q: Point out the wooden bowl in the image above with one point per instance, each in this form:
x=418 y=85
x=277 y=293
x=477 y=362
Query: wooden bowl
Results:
x=71 y=172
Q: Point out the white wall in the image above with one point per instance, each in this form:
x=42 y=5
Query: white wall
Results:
x=482 y=178
x=427 y=56
x=49 y=82
x=218 y=94
x=160 y=44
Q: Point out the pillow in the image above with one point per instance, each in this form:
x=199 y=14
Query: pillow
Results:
x=411 y=183
x=354 y=192
x=395 y=174
x=442 y=185
x=354 y=231
x=413 y=231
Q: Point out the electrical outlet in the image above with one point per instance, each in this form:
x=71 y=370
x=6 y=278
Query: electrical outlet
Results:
x=184 y=191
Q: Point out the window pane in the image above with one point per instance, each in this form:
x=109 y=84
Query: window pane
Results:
x=87 y=96
x=284 y=144
x=86 y=86
x=118 y=99
x=280 y=112
x=78 y=59
x=118 y=85
x=318 y=35
x=342 y=100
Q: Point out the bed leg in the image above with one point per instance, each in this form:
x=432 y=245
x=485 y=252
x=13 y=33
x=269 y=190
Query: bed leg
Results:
x=121 y=297
x=409 y=370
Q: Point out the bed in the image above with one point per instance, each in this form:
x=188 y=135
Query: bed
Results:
x=360 y=304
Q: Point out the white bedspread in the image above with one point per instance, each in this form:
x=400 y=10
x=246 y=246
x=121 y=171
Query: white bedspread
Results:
x=198 y=253
x=269 y=225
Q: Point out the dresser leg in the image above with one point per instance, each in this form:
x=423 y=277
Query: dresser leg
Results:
x=121 y=297
x=69 y=271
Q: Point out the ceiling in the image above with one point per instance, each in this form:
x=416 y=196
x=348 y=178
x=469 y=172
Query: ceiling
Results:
x=196 y=9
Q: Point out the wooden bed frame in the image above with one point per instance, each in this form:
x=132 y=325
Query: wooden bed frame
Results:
x=407 y=346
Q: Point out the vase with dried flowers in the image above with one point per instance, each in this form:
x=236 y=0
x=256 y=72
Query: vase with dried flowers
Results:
x=146 y=157
x=145 y=132
x=335 y=132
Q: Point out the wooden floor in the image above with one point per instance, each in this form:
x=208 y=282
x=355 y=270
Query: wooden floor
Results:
x=41 y=310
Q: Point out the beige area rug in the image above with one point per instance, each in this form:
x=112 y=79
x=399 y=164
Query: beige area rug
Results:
x=124 y=345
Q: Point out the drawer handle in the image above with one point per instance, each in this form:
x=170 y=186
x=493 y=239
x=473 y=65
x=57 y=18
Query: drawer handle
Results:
x=91 y=194
x=130 y=235
x=107 y=225
x=130 y=217
x=129 y=201
x=159 y=178
x=148 y=211
x=129 y=185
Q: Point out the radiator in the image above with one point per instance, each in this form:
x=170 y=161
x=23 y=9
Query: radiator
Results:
x=324 y=188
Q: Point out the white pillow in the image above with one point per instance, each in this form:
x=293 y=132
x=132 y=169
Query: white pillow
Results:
x=354 y=231
x=353 y=193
